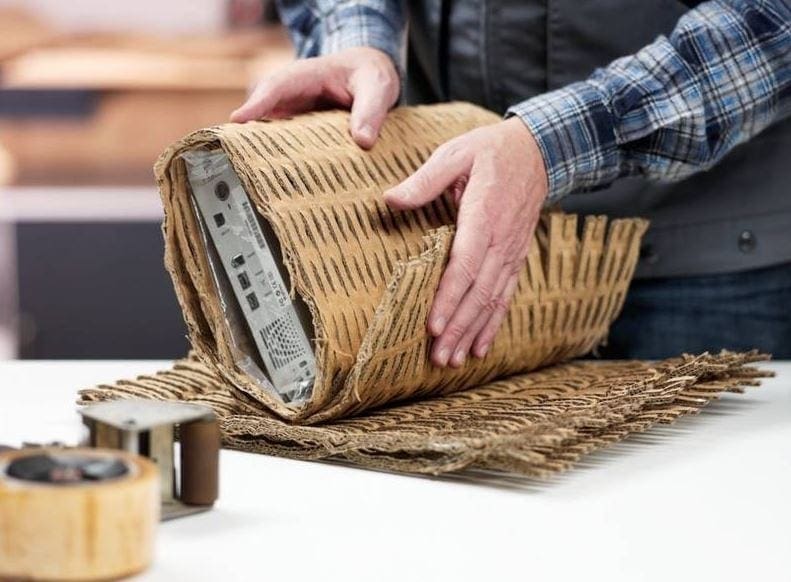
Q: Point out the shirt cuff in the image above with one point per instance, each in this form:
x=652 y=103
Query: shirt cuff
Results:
x=575 y=131
x=363 y=27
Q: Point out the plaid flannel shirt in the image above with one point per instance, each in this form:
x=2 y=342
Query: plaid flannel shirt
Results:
x=674 y=108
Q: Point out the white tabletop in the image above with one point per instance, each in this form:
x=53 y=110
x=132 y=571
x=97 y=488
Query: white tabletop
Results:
x=706 y=499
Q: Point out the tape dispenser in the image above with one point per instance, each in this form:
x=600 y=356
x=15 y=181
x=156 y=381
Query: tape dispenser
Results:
x=149 y=429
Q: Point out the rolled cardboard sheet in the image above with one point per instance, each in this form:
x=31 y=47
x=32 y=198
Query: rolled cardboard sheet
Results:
x=368 y=274
x=76 y=514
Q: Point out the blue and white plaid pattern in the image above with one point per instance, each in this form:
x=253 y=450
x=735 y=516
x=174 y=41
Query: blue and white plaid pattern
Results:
x=674 y=108
x=320 y=27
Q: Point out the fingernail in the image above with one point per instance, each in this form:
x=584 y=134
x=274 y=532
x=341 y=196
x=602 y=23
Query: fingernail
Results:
x=437 y=325
x=482 y=351
x=458 y=358
x=367 y=133
x=442 y=356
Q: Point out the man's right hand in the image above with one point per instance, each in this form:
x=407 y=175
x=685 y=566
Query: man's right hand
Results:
x=362 y=79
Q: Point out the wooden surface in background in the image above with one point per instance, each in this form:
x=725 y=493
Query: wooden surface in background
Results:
x=145 y=62
x=118 y=144
x=19 y=31
x=150 y=91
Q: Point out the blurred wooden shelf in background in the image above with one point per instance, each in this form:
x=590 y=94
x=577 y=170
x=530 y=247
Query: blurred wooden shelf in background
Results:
x=20 y=31
x=99 y=108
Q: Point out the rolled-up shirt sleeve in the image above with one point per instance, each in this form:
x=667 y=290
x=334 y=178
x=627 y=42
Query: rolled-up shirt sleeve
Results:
x=674 y=108
x=320 y=27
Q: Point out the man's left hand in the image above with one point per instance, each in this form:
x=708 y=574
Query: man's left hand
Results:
x=498 y=179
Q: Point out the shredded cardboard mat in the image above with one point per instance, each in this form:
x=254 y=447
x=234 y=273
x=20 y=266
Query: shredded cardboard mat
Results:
x=369 y=274
x=532 y=424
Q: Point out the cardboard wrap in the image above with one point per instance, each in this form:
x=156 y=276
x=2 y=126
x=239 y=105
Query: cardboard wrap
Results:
x=369 y=275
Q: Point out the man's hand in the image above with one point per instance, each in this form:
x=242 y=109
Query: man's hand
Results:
x=363 y=79
x=499 y=181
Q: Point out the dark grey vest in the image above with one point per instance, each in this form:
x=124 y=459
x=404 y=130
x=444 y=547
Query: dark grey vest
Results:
x=499 y=52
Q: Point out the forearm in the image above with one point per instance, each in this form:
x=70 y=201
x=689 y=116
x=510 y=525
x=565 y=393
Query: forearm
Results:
x=320 y=27
x=674 y=108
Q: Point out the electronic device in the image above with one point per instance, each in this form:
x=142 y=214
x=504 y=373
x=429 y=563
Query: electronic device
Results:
x=246 y=246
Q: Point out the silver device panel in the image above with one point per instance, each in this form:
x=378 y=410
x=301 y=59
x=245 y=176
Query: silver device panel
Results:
x=249 y=252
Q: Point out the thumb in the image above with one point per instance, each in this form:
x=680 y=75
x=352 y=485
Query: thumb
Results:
x=373 y=97
x=448 y=164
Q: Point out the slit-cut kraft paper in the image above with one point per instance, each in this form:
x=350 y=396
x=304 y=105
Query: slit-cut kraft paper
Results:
x=368 y=275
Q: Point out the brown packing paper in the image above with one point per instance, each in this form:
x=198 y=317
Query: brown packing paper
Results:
x=369 y=274
x=532 y=424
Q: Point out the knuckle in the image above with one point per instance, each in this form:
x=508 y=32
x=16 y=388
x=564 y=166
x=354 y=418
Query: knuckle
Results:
x=482 y=295
x=296 y=66
x=274 y=81
x=440 y=153
x=450 y=150
x=384 y=77
x=426 y=176
x=389 y=91
x=421 y=181
x=265 y=84
x=332 y=59
x=498 y=249
x=500 y=304
x=454 y=331
x=465 y=267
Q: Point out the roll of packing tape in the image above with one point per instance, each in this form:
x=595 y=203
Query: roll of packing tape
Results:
x=76 y=514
